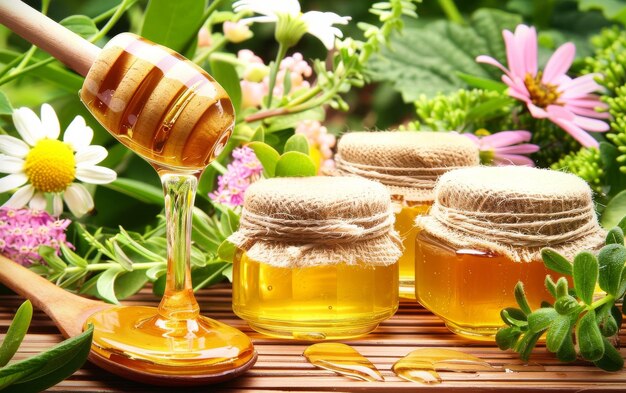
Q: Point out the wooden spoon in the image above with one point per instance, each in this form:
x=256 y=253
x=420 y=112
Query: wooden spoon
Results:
x=69 y=313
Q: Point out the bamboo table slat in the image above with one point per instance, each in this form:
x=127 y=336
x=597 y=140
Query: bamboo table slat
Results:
x=281 y=366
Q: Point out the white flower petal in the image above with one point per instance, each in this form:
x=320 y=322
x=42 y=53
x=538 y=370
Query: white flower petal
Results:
x=10 y=164
x=320 y=24
x=95 y=174
x=90 y=155
x=57 y=205
x=78 y=199
x=21 y=197
x=38 y=202
x=12 y=181
x=13 y=147
x=50 y=122
x=78 y=134
x=28 y=125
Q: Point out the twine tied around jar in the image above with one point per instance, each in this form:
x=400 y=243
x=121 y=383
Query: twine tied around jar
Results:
x=514 y=211
x=298 y=222
x=407 y=162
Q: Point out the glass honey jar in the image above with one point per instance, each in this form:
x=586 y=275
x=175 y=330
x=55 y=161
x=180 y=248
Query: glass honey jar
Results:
x=485 y=232
x=317 y=257
x=408 y=163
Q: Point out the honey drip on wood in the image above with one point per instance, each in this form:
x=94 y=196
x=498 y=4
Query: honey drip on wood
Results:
x=344 y=360
x=422 y=365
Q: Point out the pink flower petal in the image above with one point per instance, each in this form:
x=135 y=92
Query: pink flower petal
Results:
x=525 y=148
x=516 y=84
x=514 y=57
x=588 y=112
x=535 y=111
x=579 y=87
x=491 y=61
x=506 y=138
x=576 y=132
x=512 y=159
x=591 y=124
x=588 y=101
x=530 y=51
x=557 y=111
x=559 y=63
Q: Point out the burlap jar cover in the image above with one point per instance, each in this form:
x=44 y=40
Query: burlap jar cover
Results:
x=309 y=221
x=407 y=162
x=513 y=211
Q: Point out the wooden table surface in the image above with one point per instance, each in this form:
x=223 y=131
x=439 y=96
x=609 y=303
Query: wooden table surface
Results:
x=281 y=366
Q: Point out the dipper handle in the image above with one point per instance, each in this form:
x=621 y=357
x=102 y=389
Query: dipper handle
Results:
x=68 y=47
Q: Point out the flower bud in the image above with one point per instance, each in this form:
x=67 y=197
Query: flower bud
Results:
x=236 y=31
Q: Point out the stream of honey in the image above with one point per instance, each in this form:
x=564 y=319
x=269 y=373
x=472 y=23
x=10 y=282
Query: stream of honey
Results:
x=314 y=303
x=405 y=226
x=468 y=288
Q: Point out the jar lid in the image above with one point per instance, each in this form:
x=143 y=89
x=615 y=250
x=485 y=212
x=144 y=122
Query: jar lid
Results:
x=514 y=211
x=308 y=221
x=407 y=162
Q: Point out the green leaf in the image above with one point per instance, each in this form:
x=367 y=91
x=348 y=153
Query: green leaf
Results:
x=622 y=224
x=507 y=337
x=614 y=211
x=525 y=346
x=513 y=317
x=259 y=135
x=139 y=190
x=556 y=262
x=226 y=251
x=585 y=276
x=72 y=257
x=445 y=49
x=589 y=338
x=226 y=75
x=561 y=287
x=209 y=275
x=567 y=352
x=61 y=77
x=172 y=23
x=611 y=259
x=615 y=236
x=540 y=319
x=612 y=359
x=16 y=332
x=267 y=155
x=559 y=329
x=566 y=305
x=48 y=368
x=297 y=142
x=295 y=164
x=520 y=297
x=129 y=283
x=49 y=255
x=5 y=105
x=482 y=83
x=106 y=284
x=81 y=25
x=550 y=286
x=611 y=9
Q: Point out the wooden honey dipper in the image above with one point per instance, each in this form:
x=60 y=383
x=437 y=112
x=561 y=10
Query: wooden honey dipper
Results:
x=159 y=104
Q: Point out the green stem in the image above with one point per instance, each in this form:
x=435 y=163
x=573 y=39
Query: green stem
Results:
x=94 y=267
x=598 y=303
x=124 y=5
x=225 y=58
x=219 y=167
x=282 y=51
x=452 y=12
x=305 y=97
x=211 y=277
x=207 y=13
x=216 y=46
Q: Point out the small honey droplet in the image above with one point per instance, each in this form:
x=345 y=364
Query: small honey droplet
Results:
x=344 y=360
x=269 y=288
x=421 y=365
x=330 y=307
x=529 y=367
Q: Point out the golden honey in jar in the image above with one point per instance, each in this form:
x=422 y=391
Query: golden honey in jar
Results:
x=408 y=163
x=317 y=258
x=485 y=232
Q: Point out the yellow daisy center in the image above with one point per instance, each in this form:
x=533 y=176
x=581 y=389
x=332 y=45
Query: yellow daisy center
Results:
x=541 y=94
x=50 y=165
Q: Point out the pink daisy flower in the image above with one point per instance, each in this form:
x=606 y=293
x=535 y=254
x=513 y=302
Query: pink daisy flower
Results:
x=505 y=148
x=551 y=94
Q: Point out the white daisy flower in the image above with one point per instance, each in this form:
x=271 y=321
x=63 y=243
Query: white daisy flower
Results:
x=291 y=23
x=42 y=164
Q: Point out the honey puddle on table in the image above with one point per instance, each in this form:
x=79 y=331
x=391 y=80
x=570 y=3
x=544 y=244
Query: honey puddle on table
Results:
x=344 y=360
